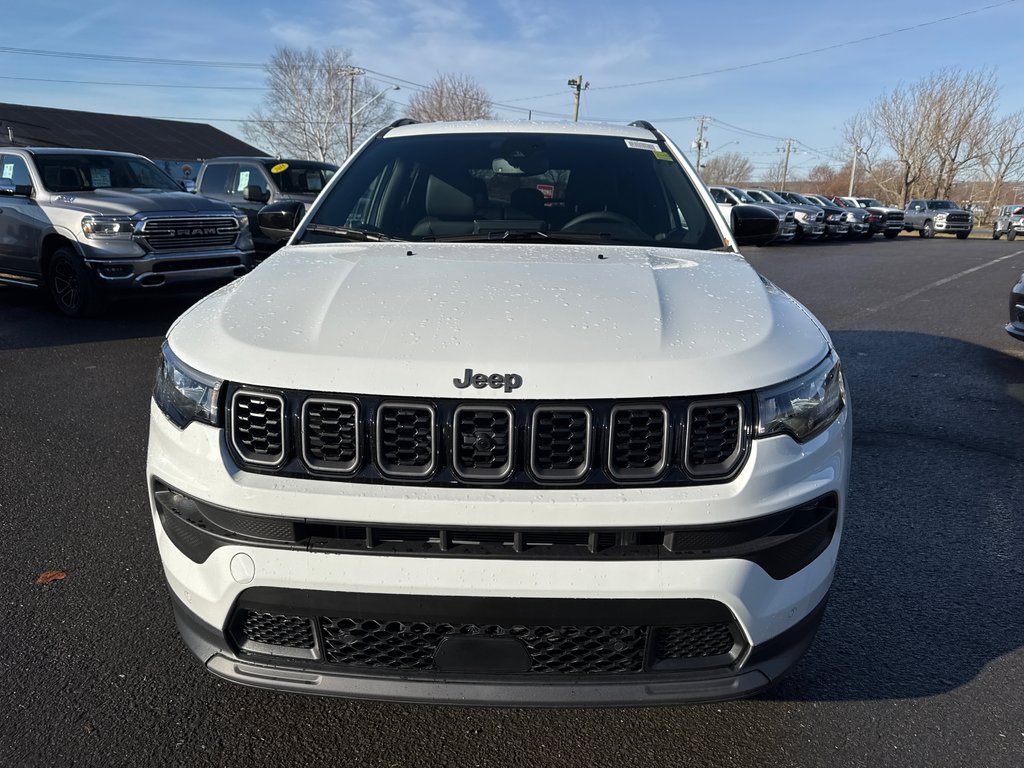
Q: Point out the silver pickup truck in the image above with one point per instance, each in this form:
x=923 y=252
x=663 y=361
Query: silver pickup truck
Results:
x=86 y=223
x=932 y=217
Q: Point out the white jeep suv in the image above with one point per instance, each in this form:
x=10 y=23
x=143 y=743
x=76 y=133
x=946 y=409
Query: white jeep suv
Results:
x=508 y=421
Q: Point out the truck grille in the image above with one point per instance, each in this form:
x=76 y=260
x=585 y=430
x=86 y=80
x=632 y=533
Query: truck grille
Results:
x=184 y=234
x=894 y=216
x=366 y=439
x=958 y=218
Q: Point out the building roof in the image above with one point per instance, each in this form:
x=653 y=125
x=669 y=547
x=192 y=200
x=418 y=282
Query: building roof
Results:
x=154 y=138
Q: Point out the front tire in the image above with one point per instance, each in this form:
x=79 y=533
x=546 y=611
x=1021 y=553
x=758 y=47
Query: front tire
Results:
x=891 y=234
x=73 y=287
x=1011 y=234
x=962 y=235
x=928 y=230
x=996 y=233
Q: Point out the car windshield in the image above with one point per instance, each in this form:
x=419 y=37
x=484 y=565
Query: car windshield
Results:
x=774 y=197
x=84 y=173
x=797 y=198
x=300 y=178
x=940 y=205
x=742 y=196
x=870 y=202
x=530 y=187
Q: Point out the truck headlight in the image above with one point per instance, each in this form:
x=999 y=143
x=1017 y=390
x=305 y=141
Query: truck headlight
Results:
x=184 y=394
x=805 y=406
x=108 y=227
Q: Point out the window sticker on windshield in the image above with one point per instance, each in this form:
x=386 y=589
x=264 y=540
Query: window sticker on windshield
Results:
x=100 y=177
x=663 y=155
x=8 y=171
x=243 y=180
x=650 y=146
x=279 y=168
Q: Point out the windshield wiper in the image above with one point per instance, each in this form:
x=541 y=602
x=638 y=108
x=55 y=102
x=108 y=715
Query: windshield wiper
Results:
x=349 y=233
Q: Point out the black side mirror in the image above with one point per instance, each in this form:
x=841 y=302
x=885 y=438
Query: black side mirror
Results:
x=15 y=190
x=753 y=224
x=279 y=220
x=255 y=195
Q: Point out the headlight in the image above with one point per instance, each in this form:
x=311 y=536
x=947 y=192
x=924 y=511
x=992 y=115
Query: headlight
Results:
x=184 y=394
x=804 y=406
x=108 y=227
x=802 y=215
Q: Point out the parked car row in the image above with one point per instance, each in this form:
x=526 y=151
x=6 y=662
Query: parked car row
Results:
x=86 y=224
x=816 y=217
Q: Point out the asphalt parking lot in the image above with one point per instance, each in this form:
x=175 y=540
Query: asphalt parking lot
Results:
x=919 y=662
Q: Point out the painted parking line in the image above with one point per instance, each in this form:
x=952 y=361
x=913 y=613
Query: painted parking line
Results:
x=918 y=291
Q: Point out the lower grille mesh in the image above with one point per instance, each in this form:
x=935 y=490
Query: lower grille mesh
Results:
x=399 y=645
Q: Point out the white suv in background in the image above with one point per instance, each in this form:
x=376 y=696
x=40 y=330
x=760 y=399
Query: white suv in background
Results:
x=508 y=421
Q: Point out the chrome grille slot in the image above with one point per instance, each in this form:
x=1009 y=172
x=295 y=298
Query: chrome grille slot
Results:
x=714 y=438
x=180 y=234
x=482 y=442
x=637 y=441
x=560 y=447
x=258 y=427
x=406 y=437
x=331 y=435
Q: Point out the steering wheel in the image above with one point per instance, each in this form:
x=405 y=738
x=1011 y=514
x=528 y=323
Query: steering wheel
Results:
x=612 y=216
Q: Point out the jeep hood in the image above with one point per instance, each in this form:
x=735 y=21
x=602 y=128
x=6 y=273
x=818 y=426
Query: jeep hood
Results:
x=125 y=202
x=572 y=321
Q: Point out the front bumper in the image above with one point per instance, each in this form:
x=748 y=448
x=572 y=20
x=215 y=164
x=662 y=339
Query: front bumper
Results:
x=751 y=670
x=763 y=612
x=170 y=268
x=953 y=226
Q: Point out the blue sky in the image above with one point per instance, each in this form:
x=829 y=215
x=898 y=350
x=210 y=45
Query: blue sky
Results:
x=524 y=52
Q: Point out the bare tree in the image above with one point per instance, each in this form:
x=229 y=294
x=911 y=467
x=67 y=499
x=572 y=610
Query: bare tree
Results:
x=825 y=179
x=937 y=128
x=773 y=177
x=312 y=96
x=1005 y=155
x=450 y=97
x=728 y=168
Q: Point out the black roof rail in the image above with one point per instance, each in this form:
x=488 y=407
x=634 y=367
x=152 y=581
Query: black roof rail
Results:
x=644 y=124
x=397 y=124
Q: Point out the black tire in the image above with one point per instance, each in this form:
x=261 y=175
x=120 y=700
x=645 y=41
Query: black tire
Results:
x=996 y=234
x=891 y=234
x=928 y=230
x=73 y=287
x=962 y=235
x=1011 y=234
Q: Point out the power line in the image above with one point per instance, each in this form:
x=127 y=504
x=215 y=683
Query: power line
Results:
x=810 y=52
x=136 y=85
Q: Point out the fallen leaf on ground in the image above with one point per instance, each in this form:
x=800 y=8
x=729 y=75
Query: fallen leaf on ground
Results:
x=48 y=577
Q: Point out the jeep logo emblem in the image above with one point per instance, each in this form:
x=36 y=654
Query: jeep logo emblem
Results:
x=507 y=381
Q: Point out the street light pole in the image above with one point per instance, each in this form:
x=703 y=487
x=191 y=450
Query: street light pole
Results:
x=352 y=113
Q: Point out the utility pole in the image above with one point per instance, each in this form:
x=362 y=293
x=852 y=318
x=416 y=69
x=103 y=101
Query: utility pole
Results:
x=853 y=169
x=578 y=84
x=352 y=74
x=699 y=144
x=785 y=164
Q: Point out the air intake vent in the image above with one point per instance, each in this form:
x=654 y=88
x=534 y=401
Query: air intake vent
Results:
x=482 y=442
x=561 y=446
x=331 y=435
x=638 y=441
x=714 y=437
x=258 y=426
x=406 y=440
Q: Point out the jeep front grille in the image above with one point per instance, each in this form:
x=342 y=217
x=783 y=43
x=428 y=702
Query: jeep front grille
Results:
x=358 y=438
x=258 y=427
x=406 y=440
x=193 y=233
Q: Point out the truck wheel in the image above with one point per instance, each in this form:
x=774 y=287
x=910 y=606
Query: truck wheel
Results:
x=962 y=235
x=928 y=230
x=891 y=234
x=996 y=233
x=1011 y=234
x=72 y=287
